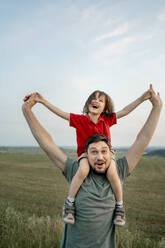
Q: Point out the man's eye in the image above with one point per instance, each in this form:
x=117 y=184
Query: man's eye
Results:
x=104 y=151
x=94 y=152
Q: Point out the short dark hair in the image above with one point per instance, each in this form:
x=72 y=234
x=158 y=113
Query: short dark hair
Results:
x=109 y=107
x=96 y=138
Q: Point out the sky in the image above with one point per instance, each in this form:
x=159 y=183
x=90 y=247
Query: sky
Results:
x=67 y=49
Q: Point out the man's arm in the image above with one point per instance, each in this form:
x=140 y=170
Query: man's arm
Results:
x=42 y=136
x=39 y=98
x=144 y=136
x=130 y=107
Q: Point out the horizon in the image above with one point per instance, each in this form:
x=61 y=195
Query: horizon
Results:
x=74 y=147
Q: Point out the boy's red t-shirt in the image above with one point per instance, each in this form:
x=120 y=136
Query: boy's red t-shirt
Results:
x=85 y=128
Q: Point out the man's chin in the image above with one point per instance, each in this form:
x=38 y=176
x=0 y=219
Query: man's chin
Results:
x=98 y=171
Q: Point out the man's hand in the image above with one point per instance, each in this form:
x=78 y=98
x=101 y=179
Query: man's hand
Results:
x=30 y=101
x=155 y=98
x=152 y=96
x=36 y=96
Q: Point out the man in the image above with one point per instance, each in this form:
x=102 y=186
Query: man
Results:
x=95 y=201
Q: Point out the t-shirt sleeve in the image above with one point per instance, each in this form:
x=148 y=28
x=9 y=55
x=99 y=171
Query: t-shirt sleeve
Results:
x=111 y=120
x=70 y=169
x=74 y=120
x=122 y=168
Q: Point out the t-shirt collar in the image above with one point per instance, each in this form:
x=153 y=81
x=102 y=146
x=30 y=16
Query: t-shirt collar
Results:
x=100 y=118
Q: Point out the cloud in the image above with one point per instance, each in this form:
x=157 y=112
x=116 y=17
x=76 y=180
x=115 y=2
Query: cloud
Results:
x=91 y=12
x=161 y=16
x=114 y=51
x=122 y=29
x=115 y=47
x=58 y=23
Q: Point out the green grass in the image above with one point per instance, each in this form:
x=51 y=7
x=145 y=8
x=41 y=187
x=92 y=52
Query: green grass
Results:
x=30 y=183
x=21 y=230
x=144 y=193
x=33 y=190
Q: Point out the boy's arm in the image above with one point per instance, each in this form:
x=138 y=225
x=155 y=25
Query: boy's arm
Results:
x=39 y=98
x=56 y=110
x=130 y=107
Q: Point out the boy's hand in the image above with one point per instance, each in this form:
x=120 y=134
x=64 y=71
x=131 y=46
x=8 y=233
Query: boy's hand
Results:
x=37 y=97
x=29 y=101
x=147 y=94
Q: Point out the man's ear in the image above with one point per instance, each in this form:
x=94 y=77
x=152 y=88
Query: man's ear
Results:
x=86 y=153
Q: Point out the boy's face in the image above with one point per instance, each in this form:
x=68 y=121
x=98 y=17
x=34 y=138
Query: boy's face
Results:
x=97 y=104
x=99 y=157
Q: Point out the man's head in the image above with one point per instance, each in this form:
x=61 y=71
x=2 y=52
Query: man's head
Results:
x=98 y=152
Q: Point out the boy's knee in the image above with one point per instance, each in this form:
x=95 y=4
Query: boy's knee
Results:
x=112 y=172
x=84 y=172
x=83 y=169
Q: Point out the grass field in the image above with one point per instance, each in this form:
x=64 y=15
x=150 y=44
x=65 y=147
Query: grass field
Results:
x=33 y=190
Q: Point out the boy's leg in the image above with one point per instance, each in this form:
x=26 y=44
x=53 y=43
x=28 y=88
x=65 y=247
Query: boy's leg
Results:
x=114 y=180
x=79 y=177
x=81 y=174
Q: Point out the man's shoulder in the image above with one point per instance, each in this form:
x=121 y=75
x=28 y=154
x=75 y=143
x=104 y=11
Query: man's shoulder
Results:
x=70 y=169
x=122 y=168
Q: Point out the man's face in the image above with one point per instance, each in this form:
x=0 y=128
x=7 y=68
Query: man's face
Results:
x=98 y=155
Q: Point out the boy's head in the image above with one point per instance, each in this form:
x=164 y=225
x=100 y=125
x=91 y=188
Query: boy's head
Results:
x=98 y=148
x=108 y=108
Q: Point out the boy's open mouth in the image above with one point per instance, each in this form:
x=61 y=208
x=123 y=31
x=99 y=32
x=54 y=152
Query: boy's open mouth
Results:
x=95 y=106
